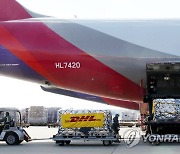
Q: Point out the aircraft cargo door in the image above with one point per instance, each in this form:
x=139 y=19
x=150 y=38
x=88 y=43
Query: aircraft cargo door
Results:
x=163 y=80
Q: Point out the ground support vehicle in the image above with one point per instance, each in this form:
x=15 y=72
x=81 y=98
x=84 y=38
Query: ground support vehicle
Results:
x=163 y=98
x=86 y=125
x=12 y=133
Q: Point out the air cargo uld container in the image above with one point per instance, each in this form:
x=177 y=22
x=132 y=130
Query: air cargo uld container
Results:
x=37 y=116
x=85 y=125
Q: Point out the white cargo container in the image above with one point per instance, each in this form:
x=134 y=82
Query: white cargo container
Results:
x=53 y=114
x=86 y=125
x=24 y=113
x=37 y=115
x=129 y=116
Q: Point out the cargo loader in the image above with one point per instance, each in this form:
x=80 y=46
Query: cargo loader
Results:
x=163 y=98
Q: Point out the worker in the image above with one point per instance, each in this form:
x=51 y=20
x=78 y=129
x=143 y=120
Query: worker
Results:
x=7 y=120
x=116 y=124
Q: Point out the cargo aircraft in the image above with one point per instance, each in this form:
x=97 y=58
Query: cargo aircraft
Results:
x=100 y=60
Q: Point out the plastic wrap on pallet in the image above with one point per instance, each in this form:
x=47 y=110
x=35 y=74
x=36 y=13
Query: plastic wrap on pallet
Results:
x=90 y=131
x=166 y=109
x=178 y=106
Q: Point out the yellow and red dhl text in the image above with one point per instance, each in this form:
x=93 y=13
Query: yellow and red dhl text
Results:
x=82 y=118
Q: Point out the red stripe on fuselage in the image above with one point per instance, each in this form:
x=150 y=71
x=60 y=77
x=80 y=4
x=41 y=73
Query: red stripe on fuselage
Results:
x=42 y=48
x=13 y=45
x=12 y=10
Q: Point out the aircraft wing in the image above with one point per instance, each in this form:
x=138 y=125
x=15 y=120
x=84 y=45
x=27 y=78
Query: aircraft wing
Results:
x=108 y=101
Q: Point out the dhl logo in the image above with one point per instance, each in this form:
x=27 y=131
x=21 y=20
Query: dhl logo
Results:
x=82 y=118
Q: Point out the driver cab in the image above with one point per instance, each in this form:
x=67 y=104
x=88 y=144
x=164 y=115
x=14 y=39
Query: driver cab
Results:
x=10 y=127
x=8 y=118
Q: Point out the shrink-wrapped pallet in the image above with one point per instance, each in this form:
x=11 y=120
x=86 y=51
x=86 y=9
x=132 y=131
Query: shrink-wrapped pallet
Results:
x=166 y=109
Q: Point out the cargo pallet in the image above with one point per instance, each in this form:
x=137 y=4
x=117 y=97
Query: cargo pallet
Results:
x=102 y=133
x=107 y=140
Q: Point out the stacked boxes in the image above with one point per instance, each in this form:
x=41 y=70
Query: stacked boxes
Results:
x=166 y=109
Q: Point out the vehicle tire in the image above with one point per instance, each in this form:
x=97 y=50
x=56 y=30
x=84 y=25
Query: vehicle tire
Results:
x=107 y=143
x=11 y=139
x=68 y=142
x=61 y=143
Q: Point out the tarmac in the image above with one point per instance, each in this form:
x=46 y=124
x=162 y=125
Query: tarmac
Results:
x=48 y=146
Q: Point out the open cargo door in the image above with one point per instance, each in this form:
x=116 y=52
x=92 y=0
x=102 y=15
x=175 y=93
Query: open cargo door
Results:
x=163 y=80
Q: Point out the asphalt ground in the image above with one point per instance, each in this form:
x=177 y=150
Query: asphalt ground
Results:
x=47 y=146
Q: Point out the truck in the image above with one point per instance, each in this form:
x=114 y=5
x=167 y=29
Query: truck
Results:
x=163 y=99
x=85 y=125
x=37 y=116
